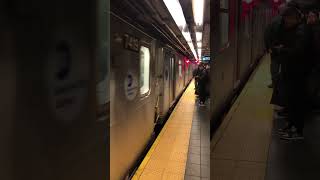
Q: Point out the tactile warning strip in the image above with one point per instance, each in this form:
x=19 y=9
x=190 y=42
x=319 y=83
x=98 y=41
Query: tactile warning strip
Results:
x=168 y=155
x=239 y=148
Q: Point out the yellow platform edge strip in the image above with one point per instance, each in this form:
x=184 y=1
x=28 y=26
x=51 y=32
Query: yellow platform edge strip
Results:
x=156 y=142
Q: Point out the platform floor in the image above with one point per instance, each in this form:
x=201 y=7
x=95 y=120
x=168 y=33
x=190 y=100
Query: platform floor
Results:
x=239 y=148
x=178 y=150
x=247 y=147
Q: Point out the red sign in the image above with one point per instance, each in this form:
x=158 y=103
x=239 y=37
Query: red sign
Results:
x=275 y=4
x=247 y=6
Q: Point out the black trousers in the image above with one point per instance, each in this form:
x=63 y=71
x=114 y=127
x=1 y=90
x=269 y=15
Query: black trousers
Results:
x=298 y=106
x=202 y=92
x=274 y=69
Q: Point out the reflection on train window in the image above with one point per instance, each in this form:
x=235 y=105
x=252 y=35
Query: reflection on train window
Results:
x=224 y=19
x=144 y=70
x=224 y=4
x=180 y=68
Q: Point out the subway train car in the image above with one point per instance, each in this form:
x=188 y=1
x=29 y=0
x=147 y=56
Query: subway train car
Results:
x=148 y=75
x=237 y=45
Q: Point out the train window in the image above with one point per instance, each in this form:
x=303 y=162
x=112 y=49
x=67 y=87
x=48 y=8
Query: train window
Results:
x=224 y=4
x=224 y=19
x=144 y=70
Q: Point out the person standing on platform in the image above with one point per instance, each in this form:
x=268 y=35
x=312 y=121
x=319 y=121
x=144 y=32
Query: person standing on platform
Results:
x=272 y=39
x=313 y=80
x=208 y=86
x=203 y=83
x=295 y=63
x=196 y=74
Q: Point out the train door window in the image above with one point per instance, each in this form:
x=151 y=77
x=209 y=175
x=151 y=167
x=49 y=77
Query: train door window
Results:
x=180 y=68
x=224 y=22
x=144 y=70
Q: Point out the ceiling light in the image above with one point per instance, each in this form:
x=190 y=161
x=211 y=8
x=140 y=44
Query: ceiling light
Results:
x=193 y=49
x=199 y=36
x=198 y=10
x=199 y=52
x=176 y=12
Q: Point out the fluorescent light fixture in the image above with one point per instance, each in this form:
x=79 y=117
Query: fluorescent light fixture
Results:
x=187 y=36
x=193 y=49
x=176 y=12
x=198 y=13
x=199 y=36
x=198 y=10
x=199 y=44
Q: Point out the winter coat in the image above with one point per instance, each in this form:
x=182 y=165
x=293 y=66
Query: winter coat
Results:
x=295 y=64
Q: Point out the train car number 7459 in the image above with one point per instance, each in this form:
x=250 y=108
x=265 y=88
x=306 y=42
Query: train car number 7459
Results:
x=131 y=43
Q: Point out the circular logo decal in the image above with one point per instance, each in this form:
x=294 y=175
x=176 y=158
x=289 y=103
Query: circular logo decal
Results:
x=131 y=86
x=67 y=81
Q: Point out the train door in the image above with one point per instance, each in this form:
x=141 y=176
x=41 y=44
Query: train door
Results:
x=166 y=82
x=236 y=12
x=185 y=71
x=244 y=39
x=253 y=35
x=172 y=80
x=179 y=77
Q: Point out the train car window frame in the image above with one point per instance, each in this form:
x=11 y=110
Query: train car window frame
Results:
x=224 y=18
x=144 y=67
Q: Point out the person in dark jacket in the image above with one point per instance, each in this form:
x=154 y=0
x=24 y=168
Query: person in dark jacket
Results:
x=295 y=66
x=272 y=39
x=203 y=83
x=208 y=85
x=313 y=82
x=196 y=75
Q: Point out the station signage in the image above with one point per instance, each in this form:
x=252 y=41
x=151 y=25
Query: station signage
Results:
x=205 y=58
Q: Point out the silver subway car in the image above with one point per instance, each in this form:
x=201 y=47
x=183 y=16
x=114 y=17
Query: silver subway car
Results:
x=147 y=77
